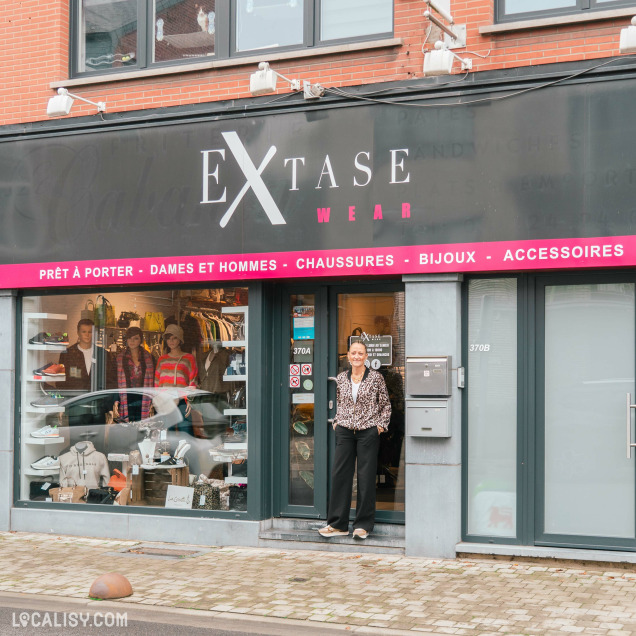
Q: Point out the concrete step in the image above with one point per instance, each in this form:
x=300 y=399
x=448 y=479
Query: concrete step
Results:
x=300 y=534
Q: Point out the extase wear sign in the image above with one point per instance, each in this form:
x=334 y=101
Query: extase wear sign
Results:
x=252 y=174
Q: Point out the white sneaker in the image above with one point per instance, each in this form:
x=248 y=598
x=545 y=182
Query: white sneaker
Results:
x=46 y=463
x=181 y=451
x=180 y=445
x=46 y=431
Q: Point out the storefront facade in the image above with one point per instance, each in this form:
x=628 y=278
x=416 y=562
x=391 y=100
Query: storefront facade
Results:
x=499 y=233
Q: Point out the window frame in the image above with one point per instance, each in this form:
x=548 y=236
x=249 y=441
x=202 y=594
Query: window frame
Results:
x=225 y=42
x=581 y=5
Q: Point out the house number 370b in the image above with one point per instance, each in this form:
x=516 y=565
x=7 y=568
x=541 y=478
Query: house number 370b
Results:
x=479 y=347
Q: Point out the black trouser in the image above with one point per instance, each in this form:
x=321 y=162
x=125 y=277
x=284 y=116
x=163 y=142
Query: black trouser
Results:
x=352 y=445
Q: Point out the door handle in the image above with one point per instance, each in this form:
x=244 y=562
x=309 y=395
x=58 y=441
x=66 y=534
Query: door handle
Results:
x=332 y=378
x=630 y=444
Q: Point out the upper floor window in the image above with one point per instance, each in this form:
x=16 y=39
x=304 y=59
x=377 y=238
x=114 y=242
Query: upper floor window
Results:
x=508 y=10
x=110 y=35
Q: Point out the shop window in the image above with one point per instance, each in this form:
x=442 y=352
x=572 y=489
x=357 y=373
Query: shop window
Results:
x=492 y=408
x=341 y=19
x=263 y=24
x=112 y=35
x=136 y=399
x=528 y=9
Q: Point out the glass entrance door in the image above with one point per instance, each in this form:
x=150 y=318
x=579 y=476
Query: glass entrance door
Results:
x=317 y=324
x=586 y=481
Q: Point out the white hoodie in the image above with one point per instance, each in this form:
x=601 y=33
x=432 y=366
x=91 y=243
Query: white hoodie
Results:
x=84 y=469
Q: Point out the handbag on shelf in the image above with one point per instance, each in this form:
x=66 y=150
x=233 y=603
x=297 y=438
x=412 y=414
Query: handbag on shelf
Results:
x=104 y=313
x=154 y=321
x=117 y=481
x=40 y=490
x=206 y=497
x=238 y=497
x=88 y=313
x=69 y=494
x=123 y=322
x=101 y=496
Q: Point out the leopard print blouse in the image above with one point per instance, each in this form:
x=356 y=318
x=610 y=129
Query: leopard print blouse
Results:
x=372 y=407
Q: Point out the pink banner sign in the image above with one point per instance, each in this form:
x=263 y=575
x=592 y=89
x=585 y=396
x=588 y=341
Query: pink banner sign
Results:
x=553 y=254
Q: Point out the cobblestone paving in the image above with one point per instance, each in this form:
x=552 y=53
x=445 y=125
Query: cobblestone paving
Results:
x=411 y=594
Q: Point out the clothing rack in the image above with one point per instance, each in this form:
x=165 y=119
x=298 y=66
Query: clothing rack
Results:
x=214 y=326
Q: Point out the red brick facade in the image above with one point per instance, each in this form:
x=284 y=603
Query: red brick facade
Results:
x=35 y=53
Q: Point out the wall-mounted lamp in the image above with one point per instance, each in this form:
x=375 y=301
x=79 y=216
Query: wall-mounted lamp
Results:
x=628 y=38
x=264 y=81
x=61 y=104
x=440 y=61
x=456 y=37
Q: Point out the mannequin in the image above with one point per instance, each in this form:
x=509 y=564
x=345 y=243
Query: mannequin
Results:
x=135 y=368
x=84 y=466
x=212 y=366
x=79 y=360
x=175 y=367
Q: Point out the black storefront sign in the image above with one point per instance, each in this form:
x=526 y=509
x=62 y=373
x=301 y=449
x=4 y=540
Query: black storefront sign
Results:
x=552 y=164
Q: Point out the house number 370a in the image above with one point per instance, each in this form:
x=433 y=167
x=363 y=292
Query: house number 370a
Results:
x=479 y=347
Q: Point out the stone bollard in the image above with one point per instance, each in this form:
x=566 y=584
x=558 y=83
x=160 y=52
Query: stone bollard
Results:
x=111 y=585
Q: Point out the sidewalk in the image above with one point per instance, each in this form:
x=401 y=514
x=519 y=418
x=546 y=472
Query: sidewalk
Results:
x=375 y=591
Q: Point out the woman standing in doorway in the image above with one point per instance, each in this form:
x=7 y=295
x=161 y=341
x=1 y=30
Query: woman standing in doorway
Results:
x=363 y=413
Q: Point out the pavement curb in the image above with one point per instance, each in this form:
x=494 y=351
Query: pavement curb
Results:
x=158 y=614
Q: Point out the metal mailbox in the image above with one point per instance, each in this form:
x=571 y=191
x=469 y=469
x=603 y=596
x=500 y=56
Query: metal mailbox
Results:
x=428 y=418
x=429 y=376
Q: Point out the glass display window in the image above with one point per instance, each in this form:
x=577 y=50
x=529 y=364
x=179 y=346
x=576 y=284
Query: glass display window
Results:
x=135 y=398
x=183 y=29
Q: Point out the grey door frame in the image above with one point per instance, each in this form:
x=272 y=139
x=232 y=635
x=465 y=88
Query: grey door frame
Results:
x=531 y=412
x=541 y=537
x=325 y=365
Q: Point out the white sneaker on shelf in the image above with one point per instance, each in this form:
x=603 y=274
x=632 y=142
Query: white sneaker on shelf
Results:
x=46 y=431
x=181 y=451
x=46 y=463
x=180 y=445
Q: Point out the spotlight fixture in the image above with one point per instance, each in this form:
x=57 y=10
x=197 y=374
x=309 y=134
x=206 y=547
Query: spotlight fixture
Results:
x=440 y=61
x=456 y=37
x=264 y=81
x=61 y=104
x=628 y=38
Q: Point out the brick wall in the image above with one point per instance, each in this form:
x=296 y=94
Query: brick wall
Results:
x=35 y=53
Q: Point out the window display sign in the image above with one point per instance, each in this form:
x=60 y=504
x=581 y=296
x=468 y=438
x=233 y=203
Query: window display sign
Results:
x=303 y=322
x=379 y=348
x=179 y=497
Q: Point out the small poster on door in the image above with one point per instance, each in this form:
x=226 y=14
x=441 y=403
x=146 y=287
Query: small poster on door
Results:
x=303 y=321
x=379 y=348
x=303 y=398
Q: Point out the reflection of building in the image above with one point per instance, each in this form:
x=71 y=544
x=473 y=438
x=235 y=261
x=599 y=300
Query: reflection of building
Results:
x=498 y=231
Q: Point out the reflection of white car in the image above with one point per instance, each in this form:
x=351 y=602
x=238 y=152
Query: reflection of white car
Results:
x=85 y=417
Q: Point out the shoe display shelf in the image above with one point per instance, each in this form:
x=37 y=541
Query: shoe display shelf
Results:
x=232 y=449
x=34 y=356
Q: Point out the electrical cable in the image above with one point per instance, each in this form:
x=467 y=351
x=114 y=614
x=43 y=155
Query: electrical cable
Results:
x=342 y=93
